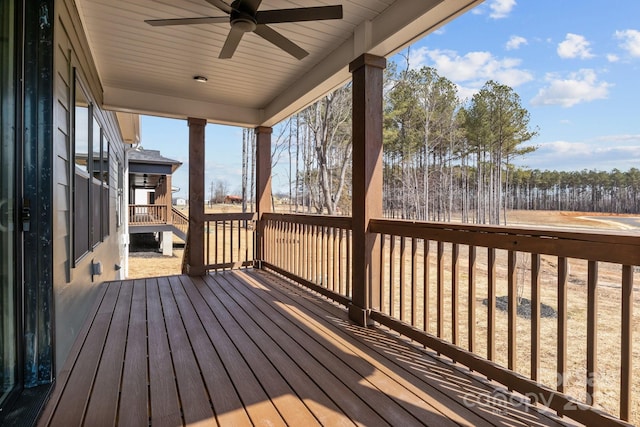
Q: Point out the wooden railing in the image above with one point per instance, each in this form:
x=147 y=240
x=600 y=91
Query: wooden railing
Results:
x=147 y=214
x=180 y=220
x=313 y=250
x=518 y=305
x=546 y=313
x=229 y=240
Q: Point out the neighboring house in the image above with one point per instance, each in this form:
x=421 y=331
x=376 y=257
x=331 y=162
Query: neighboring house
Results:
x=150 y=198
x=233 y=200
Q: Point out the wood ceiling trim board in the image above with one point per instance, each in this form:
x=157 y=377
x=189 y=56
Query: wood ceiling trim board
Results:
x=180 y=108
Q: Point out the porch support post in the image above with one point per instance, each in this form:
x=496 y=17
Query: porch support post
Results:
x=263 y=186
x=195 y=262
x=367 y=73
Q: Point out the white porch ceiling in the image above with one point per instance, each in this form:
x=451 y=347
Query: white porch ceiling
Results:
x=150 y=70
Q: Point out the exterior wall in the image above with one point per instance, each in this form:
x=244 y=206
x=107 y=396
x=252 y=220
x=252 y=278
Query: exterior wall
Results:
x=74 y=289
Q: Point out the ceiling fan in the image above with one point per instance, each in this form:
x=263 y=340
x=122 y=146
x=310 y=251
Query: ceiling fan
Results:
x=245 y=17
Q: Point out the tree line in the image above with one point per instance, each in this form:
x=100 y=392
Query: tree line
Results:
x=444 y=157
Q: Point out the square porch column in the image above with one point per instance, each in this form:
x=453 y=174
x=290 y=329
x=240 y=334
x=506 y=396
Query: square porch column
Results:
x=263 y=185
x=367 y=73
x=195 y=261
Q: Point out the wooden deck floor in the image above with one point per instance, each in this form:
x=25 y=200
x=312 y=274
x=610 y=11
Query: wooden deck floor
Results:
x=247 y=348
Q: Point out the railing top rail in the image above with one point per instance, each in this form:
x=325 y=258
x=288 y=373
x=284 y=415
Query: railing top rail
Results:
x=599 y=246
x=179 y=214
x=237 y=216
x=138 y=205
x=344 y=222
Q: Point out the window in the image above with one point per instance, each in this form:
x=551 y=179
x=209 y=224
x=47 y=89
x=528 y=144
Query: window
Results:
x=91 y=176
x=81 y=178
x=120 y=196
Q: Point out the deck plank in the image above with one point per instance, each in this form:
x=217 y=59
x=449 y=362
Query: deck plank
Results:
x=134 y=407
x=257 y=402
x=74 y=354
x=104 y=398
x=227 y=406
x=322 y=374
x=163 y=391
x=290 y=407
x=71 y=408
x=281 y=369
x=427 y=372
x=394 y=403
x=195 y=400
x=247 y=348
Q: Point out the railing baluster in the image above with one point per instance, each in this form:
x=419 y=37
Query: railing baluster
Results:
x=334 y=253
x=383 y=247
x=349 y=257
x=512 y=297
x=440 y=290
x=301 y=259
x=414 y=281
x=246 y=241
x=491 y=303
x=310 y=238
x=329 y=259
x=562 y=324
x=340 y=263
x=305 y=252
x=592 y=330
x=231 y=242
x=455 y=276
x=403 y=296
x=392 y=274
x=312 y=253
x=472 y=299
x=626 y=371
x=215 y=240
x=535 y=316
x=224 y=241
x=207 y=239
x=325 y=257
x=425 y=284
x=287 y=246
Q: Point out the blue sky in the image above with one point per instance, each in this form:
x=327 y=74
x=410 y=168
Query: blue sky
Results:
x=575 y=65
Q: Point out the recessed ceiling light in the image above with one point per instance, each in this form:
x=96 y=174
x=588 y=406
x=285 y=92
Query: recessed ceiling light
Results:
x=201 y=79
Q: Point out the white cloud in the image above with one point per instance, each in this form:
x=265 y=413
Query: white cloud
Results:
x=613 y=58
x=574 y=46
x=498 y=9
x=501 y=8
x=515 y=42
x=473 y=69
x=440 y=31
x=630 y=41
x=602 y=153
x=578 y=87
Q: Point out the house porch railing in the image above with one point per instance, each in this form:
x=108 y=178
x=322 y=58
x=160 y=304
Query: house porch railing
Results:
x=147 y=214
x=533 y=309
x=229 y=240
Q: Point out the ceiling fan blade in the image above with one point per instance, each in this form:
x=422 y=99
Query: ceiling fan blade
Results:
x=299 y=14
x=272 y=36
x=221 y=5
x=188 y=21
x=231 y=44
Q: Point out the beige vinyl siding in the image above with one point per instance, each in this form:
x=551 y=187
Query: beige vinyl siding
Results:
x=74 y=290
